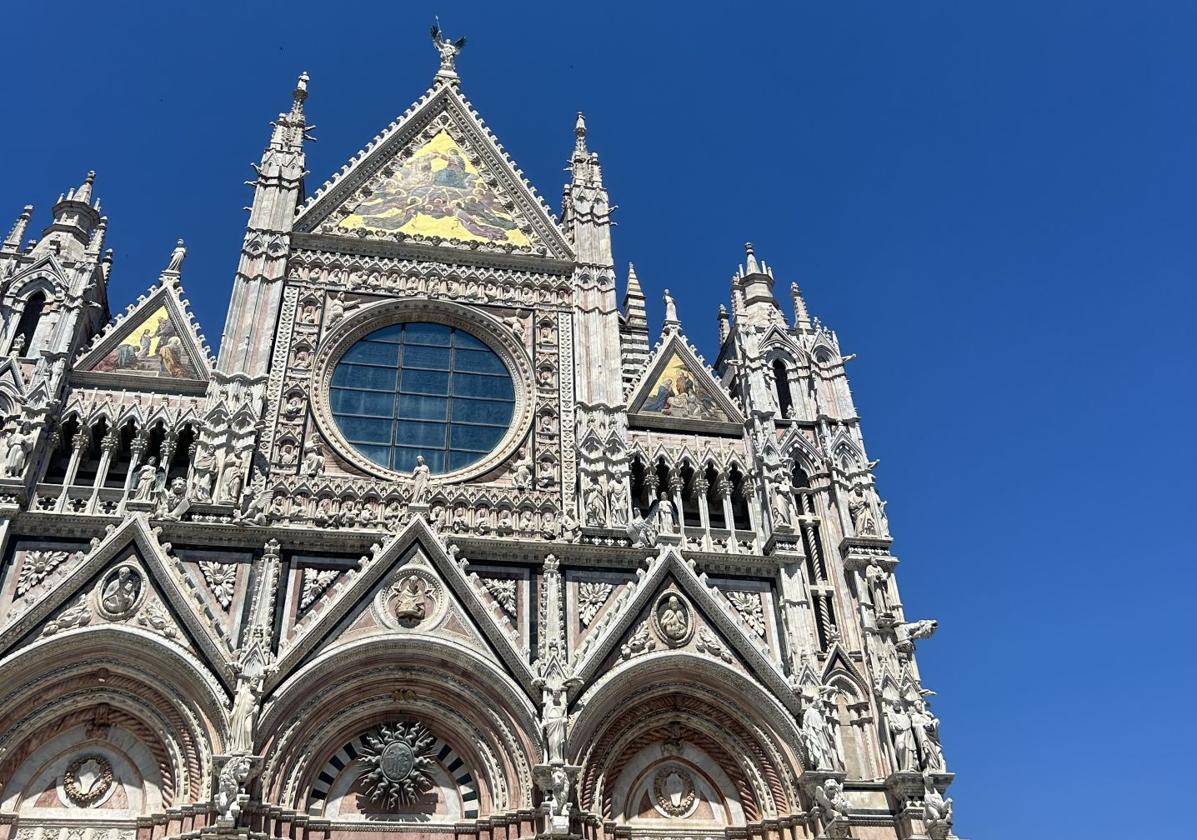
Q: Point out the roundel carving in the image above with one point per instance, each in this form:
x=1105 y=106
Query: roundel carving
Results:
x=87 y=779
x=672 y=619
x=413 y=598
x=120 y=592
x=397 y=763
x=368 y=450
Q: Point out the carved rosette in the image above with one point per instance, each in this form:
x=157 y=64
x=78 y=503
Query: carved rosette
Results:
x=397 y=764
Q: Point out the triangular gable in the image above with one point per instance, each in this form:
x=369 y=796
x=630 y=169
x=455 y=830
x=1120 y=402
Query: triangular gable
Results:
x=173 y=592
x=438 y=176
x=155 y=340
x=677 y=389
x=47 y=265
x=357 y=586
x=712 y=606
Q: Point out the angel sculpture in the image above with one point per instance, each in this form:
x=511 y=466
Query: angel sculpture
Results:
x=448 y=49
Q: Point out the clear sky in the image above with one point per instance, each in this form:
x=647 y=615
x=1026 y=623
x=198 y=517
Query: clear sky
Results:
x=991 y=202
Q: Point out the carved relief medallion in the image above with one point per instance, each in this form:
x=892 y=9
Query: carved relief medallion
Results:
x=397 y=763
x=120 y=592
x=672 y=620
x=87 y=780
x=673 y=792
x=413 y=598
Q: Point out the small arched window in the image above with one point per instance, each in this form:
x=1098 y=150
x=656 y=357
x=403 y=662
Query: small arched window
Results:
x=27 y=325
x=715 y=512
x=781 y=381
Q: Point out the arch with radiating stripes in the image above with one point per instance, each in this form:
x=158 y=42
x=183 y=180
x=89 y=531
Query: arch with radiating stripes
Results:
x=446 y=757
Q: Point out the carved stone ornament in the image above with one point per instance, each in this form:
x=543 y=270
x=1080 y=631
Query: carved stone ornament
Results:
x=87 y=780
x=673 y=792
x=37 y=565
x=748 y=605
x=221 y=579
x=315 y=581
x=397 y=764
x=591 y=597
x=503 y=591
x=120 y=592
x=414 y=598
x=672 y=619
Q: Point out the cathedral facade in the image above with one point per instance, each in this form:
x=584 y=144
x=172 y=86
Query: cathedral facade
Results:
x=443 y=541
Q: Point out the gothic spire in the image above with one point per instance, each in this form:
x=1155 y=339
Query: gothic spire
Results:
x=12 y=242
x=586 y=212
x=75 y=220
x=580 y=152
x=801 y=316
x=83 y=194
x=754 y=280
x=633 y=301
x=291 y=128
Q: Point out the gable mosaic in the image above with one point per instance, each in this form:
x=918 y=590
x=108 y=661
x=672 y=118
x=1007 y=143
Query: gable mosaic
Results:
x=446 y=541
x=438 y=192
x=676 y=393
x=152 y=347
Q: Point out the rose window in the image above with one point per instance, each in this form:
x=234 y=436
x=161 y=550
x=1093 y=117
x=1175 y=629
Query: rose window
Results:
x=422 y=389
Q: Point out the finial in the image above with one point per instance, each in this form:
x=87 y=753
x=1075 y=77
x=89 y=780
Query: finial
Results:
x=448 y=51
x=83 y=194
x=751 y=266
x=301 y=90
x=801 y=316
x=580 y=135
x=12 y=242
x=633 y=280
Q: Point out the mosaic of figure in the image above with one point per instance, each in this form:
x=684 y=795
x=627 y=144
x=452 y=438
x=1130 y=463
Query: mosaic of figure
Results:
x=440 y=193
x=152 y=348
x=676 y=394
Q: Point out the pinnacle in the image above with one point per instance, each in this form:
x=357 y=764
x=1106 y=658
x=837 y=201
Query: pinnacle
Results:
x=83 y=194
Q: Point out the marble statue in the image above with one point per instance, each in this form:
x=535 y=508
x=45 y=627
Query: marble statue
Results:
x=147 y=480
x=832 y=801
x=420 y=477
x=555 y=721
x=176 y=257
x=244 y=717
x=121 y=591
x=18 y=453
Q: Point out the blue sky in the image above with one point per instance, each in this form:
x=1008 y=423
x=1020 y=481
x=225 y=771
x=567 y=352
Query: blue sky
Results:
x=992 y=203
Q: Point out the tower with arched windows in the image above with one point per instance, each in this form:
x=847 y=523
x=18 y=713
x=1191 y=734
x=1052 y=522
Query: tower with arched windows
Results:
x=446 y=539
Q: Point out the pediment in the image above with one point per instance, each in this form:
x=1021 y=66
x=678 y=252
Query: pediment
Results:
x=412 y=585
x=438 y=177
x=155 y=341
x=703 y=622
x=127 y=578
x=677 y=389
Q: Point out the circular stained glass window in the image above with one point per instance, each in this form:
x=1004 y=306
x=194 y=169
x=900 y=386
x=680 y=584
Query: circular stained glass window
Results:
x=426 y=389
